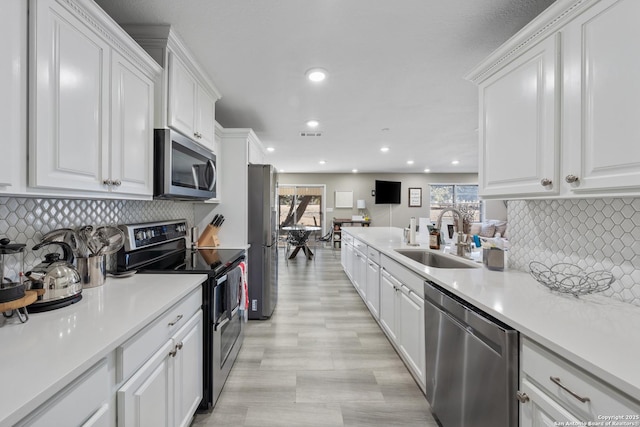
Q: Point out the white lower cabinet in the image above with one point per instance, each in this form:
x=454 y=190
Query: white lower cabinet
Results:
x=84 y=402
x=373 y=288
x=359 y=275
x=388 y=289
x=412 y=338
x=402 y=316
x=541 y=410
x=554 y=392
x=167 y=389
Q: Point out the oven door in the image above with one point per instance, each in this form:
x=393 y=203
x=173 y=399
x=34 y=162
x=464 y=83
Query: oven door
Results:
x=226 y=317
x=182 y=168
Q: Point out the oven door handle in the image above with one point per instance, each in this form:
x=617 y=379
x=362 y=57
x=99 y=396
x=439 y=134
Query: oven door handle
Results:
x=221 y=324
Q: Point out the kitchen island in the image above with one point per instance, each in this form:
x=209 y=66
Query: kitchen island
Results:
x=52 y=349
x=593 y=332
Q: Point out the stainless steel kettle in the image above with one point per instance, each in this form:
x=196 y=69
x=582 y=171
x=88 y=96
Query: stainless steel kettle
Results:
x=58 y=277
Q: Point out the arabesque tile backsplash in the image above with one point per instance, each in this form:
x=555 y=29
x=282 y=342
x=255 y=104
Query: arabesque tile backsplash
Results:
x=591 y=233
x=596 y=234
x=25 y=220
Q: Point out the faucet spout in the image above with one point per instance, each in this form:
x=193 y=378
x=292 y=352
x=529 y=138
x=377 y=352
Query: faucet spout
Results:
x=462 y=246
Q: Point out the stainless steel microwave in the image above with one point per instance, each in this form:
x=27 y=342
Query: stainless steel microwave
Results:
x=183 y=169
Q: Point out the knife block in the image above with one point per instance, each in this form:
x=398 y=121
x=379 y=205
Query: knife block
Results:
x=209 y=237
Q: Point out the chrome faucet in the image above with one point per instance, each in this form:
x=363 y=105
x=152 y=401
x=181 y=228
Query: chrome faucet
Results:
x=462 y=246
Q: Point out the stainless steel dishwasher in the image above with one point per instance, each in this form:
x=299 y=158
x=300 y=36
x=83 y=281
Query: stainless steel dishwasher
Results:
x=472 y=363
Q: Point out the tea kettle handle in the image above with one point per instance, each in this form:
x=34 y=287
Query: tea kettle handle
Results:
x=67 y=253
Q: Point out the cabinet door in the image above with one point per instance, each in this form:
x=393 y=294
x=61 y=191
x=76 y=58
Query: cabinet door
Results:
x=348 y=248
x=183 y=90
x=411 y=326
x=13 y=86
x=518 y=122
x=359 y=272
x=132 y=128
x=541 y=410
x=188 y=370
x=373 y=288
x=205 y=119
x=602 y=97
x=147 y=398
x=70 y=101
x=388 y=286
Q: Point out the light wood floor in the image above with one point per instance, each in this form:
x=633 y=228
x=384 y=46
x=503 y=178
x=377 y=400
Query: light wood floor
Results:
x=321 y=360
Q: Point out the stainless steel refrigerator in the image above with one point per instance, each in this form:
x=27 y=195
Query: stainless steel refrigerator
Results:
x=263 y=238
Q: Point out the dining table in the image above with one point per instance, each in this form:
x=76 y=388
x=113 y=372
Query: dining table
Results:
x=298 y=236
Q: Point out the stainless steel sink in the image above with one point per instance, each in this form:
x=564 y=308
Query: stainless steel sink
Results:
x=433 y=259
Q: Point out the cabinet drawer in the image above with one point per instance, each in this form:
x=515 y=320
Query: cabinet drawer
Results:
x=133 y=353
x=362 y=247
x=373 y=255
x=78 y=403
x=347 y=238
x=542 y=368
x=404 y=275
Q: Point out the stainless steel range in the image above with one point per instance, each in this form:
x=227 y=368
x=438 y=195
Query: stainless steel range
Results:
x=160 y=247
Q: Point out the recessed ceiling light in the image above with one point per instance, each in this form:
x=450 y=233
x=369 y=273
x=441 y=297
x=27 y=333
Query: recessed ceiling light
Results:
x=384 y=149
x=271 y=149
x=316 y=75
x=455 y=162
x=313 y=123
x=354 y=170
x=409 y=162
x=427 y=170
x=322 y=162
x=281 y=170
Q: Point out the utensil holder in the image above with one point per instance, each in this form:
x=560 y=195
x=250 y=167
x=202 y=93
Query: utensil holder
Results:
x=209 y=237
x=493 y=259
x=93 y=270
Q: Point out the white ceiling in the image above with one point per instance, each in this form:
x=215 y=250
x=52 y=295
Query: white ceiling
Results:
x=395 y=68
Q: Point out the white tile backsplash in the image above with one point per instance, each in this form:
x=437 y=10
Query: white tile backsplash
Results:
x=596 y=234
x=25 y=220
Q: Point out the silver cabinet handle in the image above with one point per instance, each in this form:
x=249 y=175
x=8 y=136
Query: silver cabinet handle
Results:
x=571 y=179
x=107 y=182
x=180 y=345
x=176 y=321
x=173 y=352
x=522 y=396
x=117 y=183
x=556 y=381
x=545 y=182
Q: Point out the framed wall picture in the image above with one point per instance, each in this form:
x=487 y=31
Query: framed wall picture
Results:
x=344 y=199
x=415 y=197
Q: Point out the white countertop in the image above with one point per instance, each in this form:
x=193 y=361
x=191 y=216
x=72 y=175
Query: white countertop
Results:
x=599 y=334
x=41 y=356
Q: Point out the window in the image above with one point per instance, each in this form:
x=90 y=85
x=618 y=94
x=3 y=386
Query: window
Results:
x=463 y=197
x=301 y=205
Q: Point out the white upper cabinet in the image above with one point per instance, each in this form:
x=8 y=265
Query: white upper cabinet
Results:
x=91 y=102
x=132 y=126
x=518 y=137
x=71 y=101
x=13 y=86
x=191 y=108
x=559 y=104
x=185 y=95
x=602 y=98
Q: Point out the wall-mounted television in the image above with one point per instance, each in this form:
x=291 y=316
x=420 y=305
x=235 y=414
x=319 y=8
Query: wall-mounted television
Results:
x=387 y=192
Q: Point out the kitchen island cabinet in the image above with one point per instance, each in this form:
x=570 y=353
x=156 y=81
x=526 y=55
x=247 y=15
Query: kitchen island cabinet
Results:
x=56 y=353
x=586 y=341
x=561 y=101
x=91 y=99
